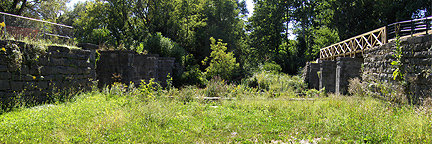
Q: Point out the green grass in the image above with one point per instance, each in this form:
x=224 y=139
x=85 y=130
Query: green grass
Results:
x=150 y=115
x=103 y=118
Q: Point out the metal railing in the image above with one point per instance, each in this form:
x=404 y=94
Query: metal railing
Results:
x=377 y=37
x=20 y=27
x=410 y=27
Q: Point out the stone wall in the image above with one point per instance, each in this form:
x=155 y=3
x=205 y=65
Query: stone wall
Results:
x=347 y=68
x=37 y=72
x=165 y=68
x=376 y=72
x=310 y=75
x=417 y=62
x=129 y=66
x=327 y=77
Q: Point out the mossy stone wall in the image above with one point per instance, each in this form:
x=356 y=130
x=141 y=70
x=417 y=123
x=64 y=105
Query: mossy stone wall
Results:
x=35 y=71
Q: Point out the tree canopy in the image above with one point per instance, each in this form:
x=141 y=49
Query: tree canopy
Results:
x=252 y=39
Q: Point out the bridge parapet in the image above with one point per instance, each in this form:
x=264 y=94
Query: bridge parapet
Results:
x=375 y=71
x=375 y=38
x=354 y=45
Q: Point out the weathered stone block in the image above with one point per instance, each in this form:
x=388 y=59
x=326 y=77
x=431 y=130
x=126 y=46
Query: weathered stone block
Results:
x=58 y=61
x=327 y=75
x=5 y=75
x=4 y=85
x=62 y=70
x=13 y=68
x=58 y=49
x=347 y=68
x=3 y=60
x=42 y=85
x=16 y=86
x=3 y=68
x=35 y=70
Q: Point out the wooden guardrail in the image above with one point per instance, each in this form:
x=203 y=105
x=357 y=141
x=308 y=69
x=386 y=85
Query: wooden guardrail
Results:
x=377 y=37
x=355 y=44
x=410 y=27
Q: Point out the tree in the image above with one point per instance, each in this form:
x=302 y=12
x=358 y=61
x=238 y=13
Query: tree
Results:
x=222 y=64
x=354 y=17
x=92 y=24
x=71 y=15
x=40 y=9
x=267 y=26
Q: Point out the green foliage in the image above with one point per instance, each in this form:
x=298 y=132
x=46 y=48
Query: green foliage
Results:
x=398 y=73
x=88 y=22
x=192 y=74
x=272 y=67
x=149 y=90
x=192 y=77
x=217 y=87
x=280 y=84
x=139 y=48
x=324 y=36
x=221 y=64
x=46 y=9
x=14 y=53
x=94 y=117
x=390 y=92
x=165 y=47
x=312 y=93
x=100 y=35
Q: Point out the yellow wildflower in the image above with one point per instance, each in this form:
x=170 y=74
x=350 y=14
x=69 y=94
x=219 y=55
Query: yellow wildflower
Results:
x=34 y=77
x=3 y=49
x=2 y=24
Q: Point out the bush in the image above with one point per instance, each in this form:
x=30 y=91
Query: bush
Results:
x=222 y=64
x=391 y=92
x=277 y=84
x=272 y=67
x=217 y=87
x=165 y=47
x=192 y=75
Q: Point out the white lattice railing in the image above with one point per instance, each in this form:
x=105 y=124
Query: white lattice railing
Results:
x=355 y=44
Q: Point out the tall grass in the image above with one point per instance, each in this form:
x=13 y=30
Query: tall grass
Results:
x=276 y=85
x=126 y=115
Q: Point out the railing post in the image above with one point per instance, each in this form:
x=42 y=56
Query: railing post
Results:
x=412 y=27
x=4 y=20
x=427 y=25
x=384 y=35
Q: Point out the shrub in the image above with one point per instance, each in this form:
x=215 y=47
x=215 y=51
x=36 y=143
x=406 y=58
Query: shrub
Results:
x=191 y=75
x=392 y=92
x=217 y=87
x=165 y=47
x=222 y=64
x=187 y=94
x=149 y=90
x=272 y=67
x=276 y=84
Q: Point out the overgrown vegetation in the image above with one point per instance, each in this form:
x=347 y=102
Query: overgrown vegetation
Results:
x=392 y=93
x=398 y=73
x=221 y=64
x=241 y=94
x=149 y=114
